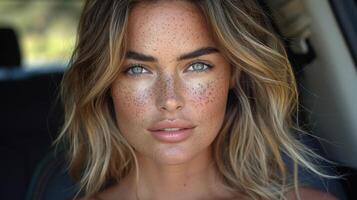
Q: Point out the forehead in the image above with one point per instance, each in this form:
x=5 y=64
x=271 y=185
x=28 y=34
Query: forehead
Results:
x=167 y=24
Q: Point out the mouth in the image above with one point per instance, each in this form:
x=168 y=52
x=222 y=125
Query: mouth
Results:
x=171 y=131
x=172 y=135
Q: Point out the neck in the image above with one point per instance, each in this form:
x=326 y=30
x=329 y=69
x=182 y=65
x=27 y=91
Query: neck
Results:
x=195 y=179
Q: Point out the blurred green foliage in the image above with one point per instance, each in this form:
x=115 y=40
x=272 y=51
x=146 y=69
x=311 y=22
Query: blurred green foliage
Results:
x=46 y=28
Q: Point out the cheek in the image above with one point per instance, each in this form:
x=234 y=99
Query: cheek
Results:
x=210 y=96
x=209 y=102
x=131 y=103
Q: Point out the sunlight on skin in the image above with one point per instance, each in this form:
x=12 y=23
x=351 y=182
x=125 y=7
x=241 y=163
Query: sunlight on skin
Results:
x=165 y=32
x=155 y=84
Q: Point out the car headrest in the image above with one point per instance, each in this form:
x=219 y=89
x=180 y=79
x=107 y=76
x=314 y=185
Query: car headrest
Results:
x=9 y=49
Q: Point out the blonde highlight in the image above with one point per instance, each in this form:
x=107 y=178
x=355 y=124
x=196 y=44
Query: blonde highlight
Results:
x=257 y=130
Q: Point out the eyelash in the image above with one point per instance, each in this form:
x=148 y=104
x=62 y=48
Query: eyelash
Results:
x=208 y=67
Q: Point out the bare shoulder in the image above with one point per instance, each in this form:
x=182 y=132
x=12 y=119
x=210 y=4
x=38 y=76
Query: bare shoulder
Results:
x=113 y=193
x=104 y=195
x=89 y=198
x=86 y=198
x=310 y=193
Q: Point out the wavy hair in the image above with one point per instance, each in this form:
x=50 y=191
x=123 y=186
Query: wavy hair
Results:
x=258 y=127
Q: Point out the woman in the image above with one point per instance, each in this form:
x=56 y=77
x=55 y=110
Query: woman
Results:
x=181 y=100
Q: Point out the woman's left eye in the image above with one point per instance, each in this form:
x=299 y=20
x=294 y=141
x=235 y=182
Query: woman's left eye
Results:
x=199 y=66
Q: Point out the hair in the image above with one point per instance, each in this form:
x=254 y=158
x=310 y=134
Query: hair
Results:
x=258 y=128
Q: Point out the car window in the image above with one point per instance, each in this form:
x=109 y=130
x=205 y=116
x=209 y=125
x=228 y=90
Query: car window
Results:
x=46 y=30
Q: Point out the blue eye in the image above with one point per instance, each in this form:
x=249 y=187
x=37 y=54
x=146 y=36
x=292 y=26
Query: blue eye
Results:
x=136 y=70
x=199 y=66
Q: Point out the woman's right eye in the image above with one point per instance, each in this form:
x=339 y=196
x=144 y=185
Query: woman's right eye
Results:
x=136 y=70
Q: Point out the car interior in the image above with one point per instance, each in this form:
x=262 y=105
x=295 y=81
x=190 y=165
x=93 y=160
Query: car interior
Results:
x=321 y=41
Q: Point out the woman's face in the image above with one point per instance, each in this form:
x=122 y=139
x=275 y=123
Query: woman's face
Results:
x=173 y=73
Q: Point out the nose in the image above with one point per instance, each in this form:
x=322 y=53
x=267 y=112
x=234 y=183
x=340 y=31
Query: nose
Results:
x=169 y=96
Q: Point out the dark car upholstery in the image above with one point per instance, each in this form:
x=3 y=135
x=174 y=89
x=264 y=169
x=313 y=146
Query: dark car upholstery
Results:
x=10 y=55
x=30 y=117
x=29 y=121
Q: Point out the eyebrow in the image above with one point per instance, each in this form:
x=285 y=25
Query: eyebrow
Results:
x=196 y=53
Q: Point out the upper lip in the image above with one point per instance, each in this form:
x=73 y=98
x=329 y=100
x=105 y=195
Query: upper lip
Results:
x=176 y=123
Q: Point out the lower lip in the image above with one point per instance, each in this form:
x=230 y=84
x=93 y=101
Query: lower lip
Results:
x=172 y=136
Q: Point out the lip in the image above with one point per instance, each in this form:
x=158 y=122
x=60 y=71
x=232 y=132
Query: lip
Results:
x=172 y=136
x=176 y=123
x=186 y=129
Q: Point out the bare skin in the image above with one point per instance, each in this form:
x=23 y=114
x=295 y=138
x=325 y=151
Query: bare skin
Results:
x=309 y=194
x=167 y=87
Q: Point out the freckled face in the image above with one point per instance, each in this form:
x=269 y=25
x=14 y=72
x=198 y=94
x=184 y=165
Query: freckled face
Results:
x=168 y=85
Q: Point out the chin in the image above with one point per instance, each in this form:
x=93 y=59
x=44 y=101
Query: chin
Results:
x=172 y=155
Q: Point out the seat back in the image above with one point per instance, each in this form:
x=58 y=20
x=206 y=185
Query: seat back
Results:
x=30 y=119
x=10 y=55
